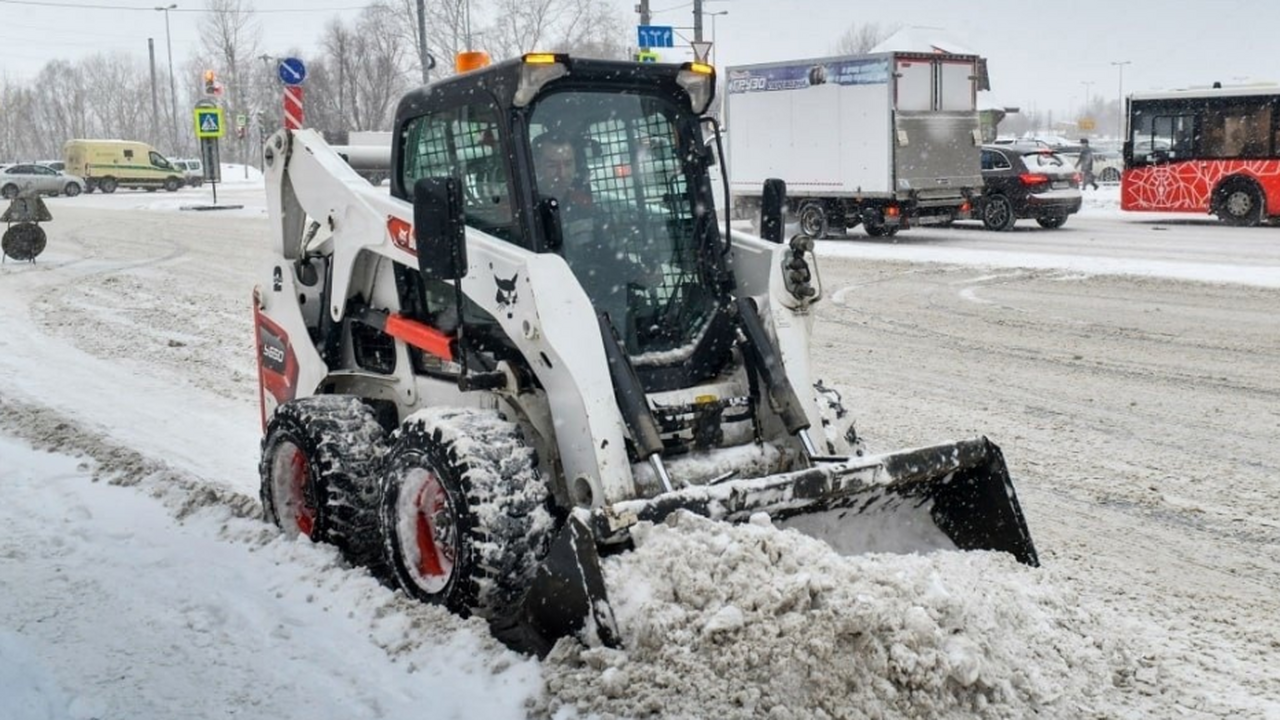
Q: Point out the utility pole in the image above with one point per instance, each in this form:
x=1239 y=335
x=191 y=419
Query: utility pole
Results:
x=1120 y=107
x=422 y=42
x=697 y=20
x=643 y=9
x=173 y=95
x=155 y=101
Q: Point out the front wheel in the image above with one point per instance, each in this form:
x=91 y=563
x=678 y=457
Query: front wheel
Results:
x=172 y=184
x=464 y=513
x=997 y=213
x=318 y=470
x=1052 y=221
x=71 y=190
x=813 y=219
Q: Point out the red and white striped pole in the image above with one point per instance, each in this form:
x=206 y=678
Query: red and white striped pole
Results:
x=293 y=107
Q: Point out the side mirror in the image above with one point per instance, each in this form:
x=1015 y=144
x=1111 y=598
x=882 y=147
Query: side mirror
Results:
x=439 y=229
x=553 y=231
x=773 y=201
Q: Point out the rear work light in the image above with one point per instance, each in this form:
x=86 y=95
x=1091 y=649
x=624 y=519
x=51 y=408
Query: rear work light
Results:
x=891 y=211
x=1033 y=178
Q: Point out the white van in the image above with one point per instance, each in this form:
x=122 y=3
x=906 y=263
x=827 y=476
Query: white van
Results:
x=108 y=164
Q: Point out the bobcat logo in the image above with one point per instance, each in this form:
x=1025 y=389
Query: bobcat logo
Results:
x=506 y=293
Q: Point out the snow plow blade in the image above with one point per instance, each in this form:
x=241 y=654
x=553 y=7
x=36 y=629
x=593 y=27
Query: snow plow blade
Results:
x=946 y=496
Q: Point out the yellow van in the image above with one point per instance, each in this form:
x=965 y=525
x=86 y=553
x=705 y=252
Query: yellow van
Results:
x=108 y=164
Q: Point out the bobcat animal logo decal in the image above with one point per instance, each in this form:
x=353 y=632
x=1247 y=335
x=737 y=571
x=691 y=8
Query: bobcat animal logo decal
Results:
x=506 y=293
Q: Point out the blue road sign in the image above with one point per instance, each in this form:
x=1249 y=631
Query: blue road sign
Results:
x=291 y=71
x=652 y=36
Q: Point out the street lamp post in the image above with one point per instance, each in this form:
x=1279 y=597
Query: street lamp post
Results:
x=173 y=96
x=1120 y=106
x=713 y=33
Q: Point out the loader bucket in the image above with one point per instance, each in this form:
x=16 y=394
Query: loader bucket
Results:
x=953 y=496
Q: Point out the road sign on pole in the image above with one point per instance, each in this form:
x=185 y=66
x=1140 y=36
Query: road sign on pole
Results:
x=293 y=107
x=701 y=50
x=291 y=71
x=208 y=122
x=652 y=36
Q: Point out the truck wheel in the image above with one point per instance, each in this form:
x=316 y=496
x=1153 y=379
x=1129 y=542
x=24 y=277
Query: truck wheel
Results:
x=997 y=213
x=875 y=228
x=172 y=184
x=107 y=185
x=464 y=512
x=319 y=474
x=813 y=219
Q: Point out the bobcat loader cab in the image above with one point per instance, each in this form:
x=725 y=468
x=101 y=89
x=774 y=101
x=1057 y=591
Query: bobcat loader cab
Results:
x=542 y=337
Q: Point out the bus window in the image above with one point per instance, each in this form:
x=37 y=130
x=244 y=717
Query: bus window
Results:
x=1237 y=131
x=1161 y=138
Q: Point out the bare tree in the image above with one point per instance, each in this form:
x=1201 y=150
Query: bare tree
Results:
x=578 y=26
x=230 y=34
x=860 y=39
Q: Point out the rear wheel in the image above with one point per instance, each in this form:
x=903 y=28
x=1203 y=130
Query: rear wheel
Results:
x=813 y=219
x=997 y=213
x=71 y=190
x=318 y=470
x=1052 y=221
x=877 y=228
x=107 y=185
x=1240 y=203
x=464 y=513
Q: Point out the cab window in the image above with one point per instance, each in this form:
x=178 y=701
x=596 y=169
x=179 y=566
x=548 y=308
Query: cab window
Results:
x=465 y=143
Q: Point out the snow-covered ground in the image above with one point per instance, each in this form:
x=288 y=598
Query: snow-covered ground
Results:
x=139 y=582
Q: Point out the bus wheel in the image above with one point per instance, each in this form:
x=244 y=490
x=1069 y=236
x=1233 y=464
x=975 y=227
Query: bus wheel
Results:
x=1240 y=203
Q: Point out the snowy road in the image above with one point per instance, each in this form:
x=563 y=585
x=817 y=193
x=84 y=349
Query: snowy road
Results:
x=1125 y=364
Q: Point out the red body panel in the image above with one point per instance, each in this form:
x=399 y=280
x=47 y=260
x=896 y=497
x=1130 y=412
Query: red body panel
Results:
x=1188 y=186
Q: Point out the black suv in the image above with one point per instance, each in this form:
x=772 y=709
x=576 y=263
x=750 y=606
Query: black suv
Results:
x=1026 y=181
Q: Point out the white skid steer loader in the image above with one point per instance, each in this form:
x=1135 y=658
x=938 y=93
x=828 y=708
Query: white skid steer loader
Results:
x=476 y=384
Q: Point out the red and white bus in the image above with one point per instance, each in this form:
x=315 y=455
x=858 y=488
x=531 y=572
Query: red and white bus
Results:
x=1214 y=151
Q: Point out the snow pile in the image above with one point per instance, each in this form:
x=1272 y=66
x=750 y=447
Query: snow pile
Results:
x=748 y=621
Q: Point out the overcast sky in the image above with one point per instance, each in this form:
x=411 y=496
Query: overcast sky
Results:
x=1041 y=55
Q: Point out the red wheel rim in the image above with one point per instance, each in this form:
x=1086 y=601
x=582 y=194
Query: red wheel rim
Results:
x=433 y=534
x=299 y=479
x=291 y=483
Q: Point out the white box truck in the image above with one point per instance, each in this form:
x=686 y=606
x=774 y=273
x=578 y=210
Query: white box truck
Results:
x=886 y=140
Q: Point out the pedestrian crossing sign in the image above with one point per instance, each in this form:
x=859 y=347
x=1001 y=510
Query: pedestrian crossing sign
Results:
x=209 y=122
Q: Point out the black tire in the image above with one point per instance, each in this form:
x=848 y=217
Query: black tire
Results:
x=1240 y=204
x=172 y=184
x=71 y=190
x=10 y=191
x=319 y=468
x=878 y=229
x=1109 y=175
x=488 y=527
x=813 y=221
x=998 y=214
x=108 y=185
x=1052 y=221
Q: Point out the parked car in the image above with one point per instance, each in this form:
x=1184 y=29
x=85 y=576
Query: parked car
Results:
x=1107 y=163
x=1026 y=181
x=192 y=170
x=44 y=180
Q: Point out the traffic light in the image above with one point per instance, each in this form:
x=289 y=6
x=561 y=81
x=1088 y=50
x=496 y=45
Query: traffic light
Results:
x=210 y=83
